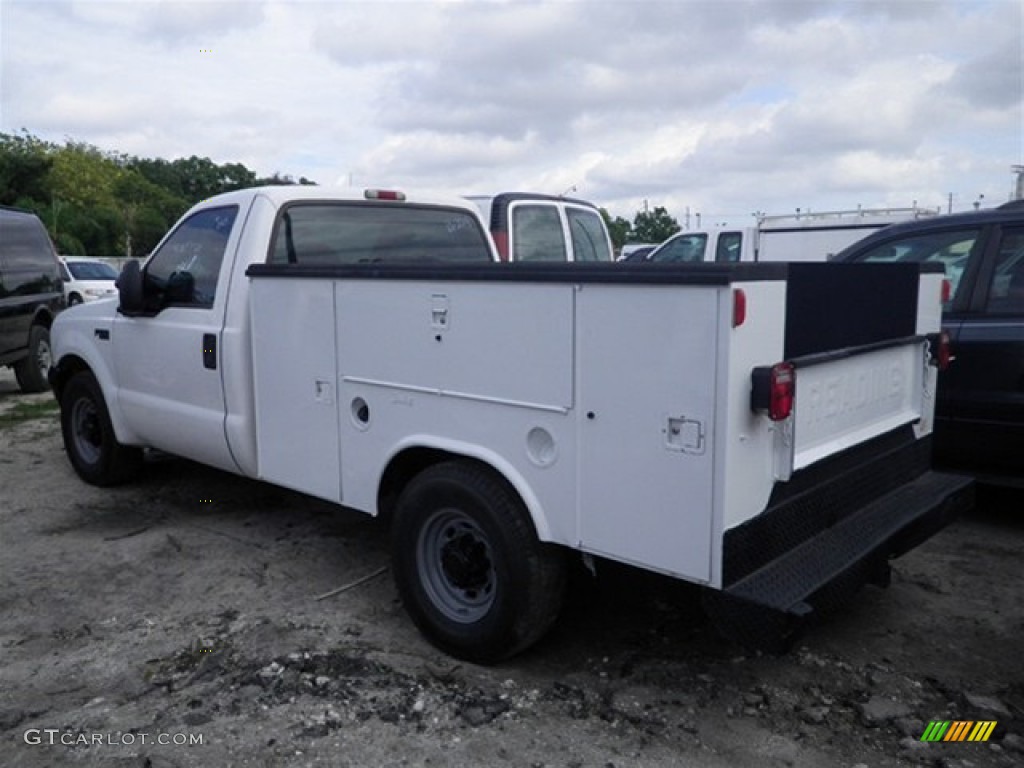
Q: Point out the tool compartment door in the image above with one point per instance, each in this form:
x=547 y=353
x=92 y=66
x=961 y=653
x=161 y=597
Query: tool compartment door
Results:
x=646 y=379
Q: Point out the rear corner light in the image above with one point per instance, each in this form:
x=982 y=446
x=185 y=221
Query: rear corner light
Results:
x=383 y=194
x=501 y=243
x=941 y=354
x=947 y=290
x=773 y=390
x=739 y=307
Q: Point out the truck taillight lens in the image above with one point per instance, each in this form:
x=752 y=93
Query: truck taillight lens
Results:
x=773 y=390
x=739 y=307
x=783 y=386
x=947 y=290
x=501 y=243
x=941 y=350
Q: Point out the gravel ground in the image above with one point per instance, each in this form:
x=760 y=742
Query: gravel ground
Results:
x=189 y=608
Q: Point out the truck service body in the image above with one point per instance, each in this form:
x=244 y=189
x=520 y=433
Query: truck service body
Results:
x=803 y=237
x=701 y=421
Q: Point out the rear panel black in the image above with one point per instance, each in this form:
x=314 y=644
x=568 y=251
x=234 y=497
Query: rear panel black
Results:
x=833 y=306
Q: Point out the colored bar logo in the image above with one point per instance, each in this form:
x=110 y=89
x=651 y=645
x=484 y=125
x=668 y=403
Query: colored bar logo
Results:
x=959 y=730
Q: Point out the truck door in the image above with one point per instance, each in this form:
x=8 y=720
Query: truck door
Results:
x=169 y=364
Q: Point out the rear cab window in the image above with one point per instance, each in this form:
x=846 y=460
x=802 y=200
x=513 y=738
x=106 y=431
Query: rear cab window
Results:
x=333 y=234
x=537 y=233
x=587 y=230
x=730 y=247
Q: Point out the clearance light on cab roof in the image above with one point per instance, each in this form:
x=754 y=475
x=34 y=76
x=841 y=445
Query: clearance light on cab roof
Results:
x=384 y=194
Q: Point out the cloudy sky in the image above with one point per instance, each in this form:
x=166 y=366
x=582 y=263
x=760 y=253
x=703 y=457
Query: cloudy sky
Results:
x=720 y=107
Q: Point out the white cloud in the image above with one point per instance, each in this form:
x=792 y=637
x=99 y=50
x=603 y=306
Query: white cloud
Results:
x=725 y=107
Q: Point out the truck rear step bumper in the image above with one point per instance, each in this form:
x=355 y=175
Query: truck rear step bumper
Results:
x=770 y=597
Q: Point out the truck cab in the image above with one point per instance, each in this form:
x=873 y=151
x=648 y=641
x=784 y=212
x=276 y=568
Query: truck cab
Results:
x=532 y=227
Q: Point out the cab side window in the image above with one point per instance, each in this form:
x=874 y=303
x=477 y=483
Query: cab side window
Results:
x=537 y=234
x=1006 y=290
x=951 y=249
x=184 y=270
x=588 y=240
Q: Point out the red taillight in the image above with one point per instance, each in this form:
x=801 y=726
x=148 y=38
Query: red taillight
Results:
x=943 y=352
x=947 y=290
x=739 y=307
x=383 y=194
x=773 y=389
x=501 y=243
x=782 y=387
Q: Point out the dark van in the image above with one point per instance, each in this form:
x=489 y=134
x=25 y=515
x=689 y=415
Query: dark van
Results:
x=31 y=294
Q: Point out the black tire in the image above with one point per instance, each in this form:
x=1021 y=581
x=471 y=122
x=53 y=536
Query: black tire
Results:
x=31 y=371
x=469 y=567
x=73 y=299
x=89 y=438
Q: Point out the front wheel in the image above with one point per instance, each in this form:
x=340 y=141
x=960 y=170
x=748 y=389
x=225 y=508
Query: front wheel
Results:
x=89 y=438
x=468 y=564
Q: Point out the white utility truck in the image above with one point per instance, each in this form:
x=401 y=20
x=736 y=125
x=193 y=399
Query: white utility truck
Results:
x=527 y=226
x=800 y=237
x=758 y=429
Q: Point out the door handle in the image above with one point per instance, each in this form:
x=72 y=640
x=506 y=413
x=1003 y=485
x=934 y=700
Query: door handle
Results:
x=210 y=351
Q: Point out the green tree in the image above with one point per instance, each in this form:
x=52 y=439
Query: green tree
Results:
x=25 y=164
x=654 y=226
x=618 y=228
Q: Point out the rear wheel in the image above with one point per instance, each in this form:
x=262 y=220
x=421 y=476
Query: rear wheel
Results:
x=31 y=371
x=472 y=574
x=89 y=438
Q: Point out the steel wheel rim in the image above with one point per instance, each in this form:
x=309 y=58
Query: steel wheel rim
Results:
x=85 y=430
x=44 y=357
x=456 y=567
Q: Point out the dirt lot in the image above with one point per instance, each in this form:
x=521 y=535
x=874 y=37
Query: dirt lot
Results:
x=184 y=608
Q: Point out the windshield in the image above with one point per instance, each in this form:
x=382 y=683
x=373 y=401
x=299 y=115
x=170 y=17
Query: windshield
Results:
x=91 y=270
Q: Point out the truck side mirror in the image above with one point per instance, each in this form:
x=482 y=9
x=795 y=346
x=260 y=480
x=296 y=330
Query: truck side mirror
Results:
x=129 y=287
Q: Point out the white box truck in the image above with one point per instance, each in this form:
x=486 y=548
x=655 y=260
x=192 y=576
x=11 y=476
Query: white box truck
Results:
x=761 y=430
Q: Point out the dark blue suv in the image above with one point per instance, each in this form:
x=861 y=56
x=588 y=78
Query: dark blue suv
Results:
x=979 y=424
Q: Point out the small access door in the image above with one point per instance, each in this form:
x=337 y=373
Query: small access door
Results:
x=646 y=382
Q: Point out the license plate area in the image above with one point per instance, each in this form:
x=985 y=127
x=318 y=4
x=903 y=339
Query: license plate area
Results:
x=845 y=400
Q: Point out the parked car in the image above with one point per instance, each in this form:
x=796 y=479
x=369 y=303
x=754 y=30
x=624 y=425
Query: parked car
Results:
x=30 y=297
x=980 y=409
x=87 y=279
x=636 y=251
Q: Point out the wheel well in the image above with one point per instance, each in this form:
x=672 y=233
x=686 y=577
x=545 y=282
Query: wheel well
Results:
x=409 y=463
x=43 y=318
x=68 y=367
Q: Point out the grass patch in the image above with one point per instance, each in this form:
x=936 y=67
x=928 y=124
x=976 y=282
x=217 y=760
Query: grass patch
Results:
x=22 y=412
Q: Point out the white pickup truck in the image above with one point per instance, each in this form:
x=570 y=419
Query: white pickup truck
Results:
x=758 y=429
